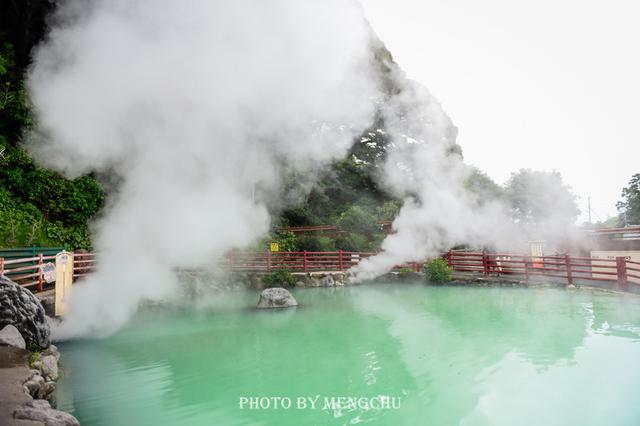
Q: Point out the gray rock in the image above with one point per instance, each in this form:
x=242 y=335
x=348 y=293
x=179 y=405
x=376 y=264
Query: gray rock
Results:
x=20 y=308
x=327 y=281
x=52 y=350
x=49 y=367
x=10 y=336
x=276 y=297
x=40 y=410
x=35 y=386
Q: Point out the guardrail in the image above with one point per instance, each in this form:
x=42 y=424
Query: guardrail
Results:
x=571 y=268
x=29 y=272
x=303 y=261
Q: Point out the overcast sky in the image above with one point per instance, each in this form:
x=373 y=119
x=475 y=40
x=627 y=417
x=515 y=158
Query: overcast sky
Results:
x=530 y=84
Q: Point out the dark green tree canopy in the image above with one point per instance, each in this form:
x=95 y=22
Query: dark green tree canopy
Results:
x=629 y=207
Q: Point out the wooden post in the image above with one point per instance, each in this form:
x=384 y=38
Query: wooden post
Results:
x=621 y=268
x=525 y=259
x=485 y=264
x=304 y=260
x=449 y=258
x=340 y=264
x=1 y=265
x=567 y=262
x=40 y=277
x=269 y=261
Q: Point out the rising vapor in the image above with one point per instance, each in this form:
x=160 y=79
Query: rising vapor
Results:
x=188 y=105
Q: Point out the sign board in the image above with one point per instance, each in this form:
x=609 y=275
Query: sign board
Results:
x=49 y=272
x=537 y=251
x=275 y=247
x=64 y=278
x=633 y=255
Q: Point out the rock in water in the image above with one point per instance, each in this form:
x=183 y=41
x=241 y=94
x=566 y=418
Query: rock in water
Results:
x=276 y=297
x=10 y=336
x=20 y=308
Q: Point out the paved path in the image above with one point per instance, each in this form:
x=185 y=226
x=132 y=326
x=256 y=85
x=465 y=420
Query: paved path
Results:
x=14 y=371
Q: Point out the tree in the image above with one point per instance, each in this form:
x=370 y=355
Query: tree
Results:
x=629 y=207
x=541 y=200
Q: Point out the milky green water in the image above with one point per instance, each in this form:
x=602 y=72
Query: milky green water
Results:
x=468 y=356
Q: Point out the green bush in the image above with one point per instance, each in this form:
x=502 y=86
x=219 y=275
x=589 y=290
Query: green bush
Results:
x=437 y=271
x=309 y=243
x=279 y=278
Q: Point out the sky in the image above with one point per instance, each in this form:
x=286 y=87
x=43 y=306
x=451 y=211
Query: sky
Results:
x=546 y=85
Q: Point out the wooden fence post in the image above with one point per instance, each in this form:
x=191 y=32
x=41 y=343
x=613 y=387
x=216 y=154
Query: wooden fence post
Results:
x=567 y=262
x=304 y=260
x=40 y=277
x=449 y=258
x=485 y=264
x=340 y=264
x=621 y=268
x=1 y=265
x=269 y=261
x=525 y=260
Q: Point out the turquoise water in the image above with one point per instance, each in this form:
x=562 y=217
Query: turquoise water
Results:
x=447 y=356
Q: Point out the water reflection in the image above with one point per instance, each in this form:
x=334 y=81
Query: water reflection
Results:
x=456 y=356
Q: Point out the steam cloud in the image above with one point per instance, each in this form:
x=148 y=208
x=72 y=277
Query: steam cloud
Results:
x=189 y=104
x=424 y=165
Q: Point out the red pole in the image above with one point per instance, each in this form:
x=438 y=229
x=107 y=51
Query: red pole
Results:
x=40 y=281
x=269 y=261
x=485 y=264
x=567 y=262
x=304 y=260
x=341 y=266
x=621 y=268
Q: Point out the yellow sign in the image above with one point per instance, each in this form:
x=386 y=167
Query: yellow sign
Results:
x=275 y=247
x=64 y=278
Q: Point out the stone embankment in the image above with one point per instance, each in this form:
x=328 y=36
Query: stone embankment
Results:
x=28 y=361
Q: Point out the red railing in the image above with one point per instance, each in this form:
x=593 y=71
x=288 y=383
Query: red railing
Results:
x=570 y=268
x=304 y=261
x=27 y=272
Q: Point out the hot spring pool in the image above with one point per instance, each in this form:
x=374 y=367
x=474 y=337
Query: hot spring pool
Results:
x=469 y=356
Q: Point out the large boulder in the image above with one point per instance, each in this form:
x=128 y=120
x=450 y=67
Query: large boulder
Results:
x=276 y=297
x=40 y=410
x=10 y=336
x=20 y=308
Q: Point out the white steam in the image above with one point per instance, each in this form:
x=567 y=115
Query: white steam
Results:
x=424 y=165
x=190 y=104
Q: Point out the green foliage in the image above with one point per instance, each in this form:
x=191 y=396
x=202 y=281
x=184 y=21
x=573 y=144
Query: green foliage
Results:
x=437 y=271
x=483 y=187
x=311 y=243
x=279 y=278
x=541 y=198
x=37 y=206
x=354 y=242
x=630 y=205
x=388 y=210
x=405 y=272
x=358 y=220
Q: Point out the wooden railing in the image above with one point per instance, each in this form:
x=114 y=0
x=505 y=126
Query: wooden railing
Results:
x=304 y=261
x=29 y=271
x=619 y=270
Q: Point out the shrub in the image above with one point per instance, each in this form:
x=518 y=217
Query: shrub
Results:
x=279 y=278
x=437 y=271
